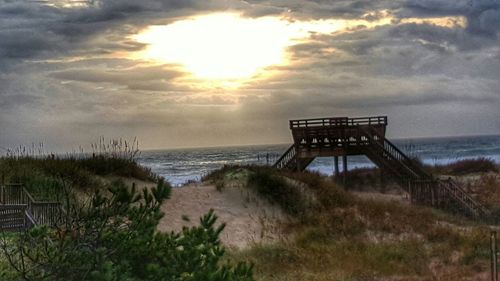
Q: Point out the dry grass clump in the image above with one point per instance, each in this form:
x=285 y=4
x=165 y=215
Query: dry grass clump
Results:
x=467 y=166
x=277 y=190
x=342 y=237
x=45 y=174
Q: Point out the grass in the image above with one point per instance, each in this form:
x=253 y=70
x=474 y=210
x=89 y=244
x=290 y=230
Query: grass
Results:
x=336 y=260
x=46 y=176
x=336 y=236
x=277 y=190
x=6 y=272
x=466 y=166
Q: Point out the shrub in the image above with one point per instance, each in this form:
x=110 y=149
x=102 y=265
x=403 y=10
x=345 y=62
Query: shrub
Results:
x=328 y=193
x=115 y=238
x=468 y=166
x=277 y=190
x=38 y=173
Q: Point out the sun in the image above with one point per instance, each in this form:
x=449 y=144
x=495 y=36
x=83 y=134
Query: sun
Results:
x=227 y=48
x=220 y=46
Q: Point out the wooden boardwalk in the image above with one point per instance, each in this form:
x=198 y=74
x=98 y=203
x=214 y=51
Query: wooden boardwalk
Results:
x=343 y=136
x=20 y=211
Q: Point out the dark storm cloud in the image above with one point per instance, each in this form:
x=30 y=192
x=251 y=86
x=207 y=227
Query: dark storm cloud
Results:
x=118 y=76
x=54 y=78
x=483 y=16
x=318 y=9
x=29 y=29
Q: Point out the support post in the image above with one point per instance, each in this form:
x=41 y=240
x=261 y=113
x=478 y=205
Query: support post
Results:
x=344 y=163
x=410 y=191
x=493 y=249
x=336 y=166
x=382 y=181
x=433 y=194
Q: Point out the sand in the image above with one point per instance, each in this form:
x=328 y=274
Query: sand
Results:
x=381 y=197
x=249 y=219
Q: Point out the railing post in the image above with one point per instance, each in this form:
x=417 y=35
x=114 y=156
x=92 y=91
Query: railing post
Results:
x=344 y=164
x=493 y=255
x=336 y=166
x=410 y=191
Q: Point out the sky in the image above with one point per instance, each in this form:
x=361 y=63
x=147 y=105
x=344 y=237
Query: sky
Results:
x=194 y=73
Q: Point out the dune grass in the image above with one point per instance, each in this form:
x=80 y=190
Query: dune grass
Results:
x=334 y=235
x=466 y=166
x=44 y=177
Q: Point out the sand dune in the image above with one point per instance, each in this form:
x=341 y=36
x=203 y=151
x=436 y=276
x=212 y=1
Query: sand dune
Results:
x=249 y=219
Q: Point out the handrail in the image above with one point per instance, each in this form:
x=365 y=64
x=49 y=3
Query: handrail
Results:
x=30 y=218
x=406 y=159
x=419 y=176
x=399 y=155
x=390 y=155
x=285 y=158
x=338 y=121
x=40 y=212
x=460 y=194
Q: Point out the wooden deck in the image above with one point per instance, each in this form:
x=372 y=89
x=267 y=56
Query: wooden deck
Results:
x=20 y=211
x=343 y=137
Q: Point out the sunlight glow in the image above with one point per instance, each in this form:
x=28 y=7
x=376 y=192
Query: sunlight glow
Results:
x=220 y=46
x=67 y=3
x=228 y=48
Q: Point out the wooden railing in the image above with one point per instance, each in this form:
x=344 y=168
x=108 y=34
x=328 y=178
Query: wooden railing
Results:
x=388 y=151
x=12 y=216
x=454 y=190
x=338 y=121
x=366 y=135
x=36 y=212
x=286 y=158
x=418 y=183
x=392 y=152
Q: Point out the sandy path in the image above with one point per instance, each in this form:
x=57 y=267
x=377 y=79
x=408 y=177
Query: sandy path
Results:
x=375 y=196
x=249 y=219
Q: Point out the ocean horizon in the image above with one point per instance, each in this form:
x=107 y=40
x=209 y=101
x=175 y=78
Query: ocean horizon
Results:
x=182 y=165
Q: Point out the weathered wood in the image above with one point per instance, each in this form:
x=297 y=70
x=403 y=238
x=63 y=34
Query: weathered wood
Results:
x=343 y=136
x=344 y=169
x=19 y=210
x=336 y=166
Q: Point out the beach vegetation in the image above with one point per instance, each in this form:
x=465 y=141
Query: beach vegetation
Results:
x=335 y=235
x=44 y=174
x=114 y=237
x=466 y=166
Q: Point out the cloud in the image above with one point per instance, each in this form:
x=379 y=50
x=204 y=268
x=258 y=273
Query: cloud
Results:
x=482 y=15
x=61 y=81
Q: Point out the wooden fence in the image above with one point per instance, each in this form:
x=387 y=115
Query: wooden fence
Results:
x=17 y=202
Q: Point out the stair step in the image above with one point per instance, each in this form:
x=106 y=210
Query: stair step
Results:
x=3 y=219
x=13 y=215
x=350 y=136
x=12 y=228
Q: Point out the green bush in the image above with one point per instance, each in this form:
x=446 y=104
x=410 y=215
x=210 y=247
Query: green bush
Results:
x=275 y=188
x=114 y=237
x=41 y=172
x=467 y=166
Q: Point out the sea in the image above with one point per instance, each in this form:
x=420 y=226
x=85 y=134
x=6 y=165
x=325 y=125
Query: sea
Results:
x=180 y=166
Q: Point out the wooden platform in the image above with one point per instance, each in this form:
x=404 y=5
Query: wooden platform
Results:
x=343 y=137
x=20 y=211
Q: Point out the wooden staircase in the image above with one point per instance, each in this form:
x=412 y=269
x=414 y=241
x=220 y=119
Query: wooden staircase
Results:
x=20 y=211
x=12 y=217
x=289 y=160
x=341 y=136
x=423 y=188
